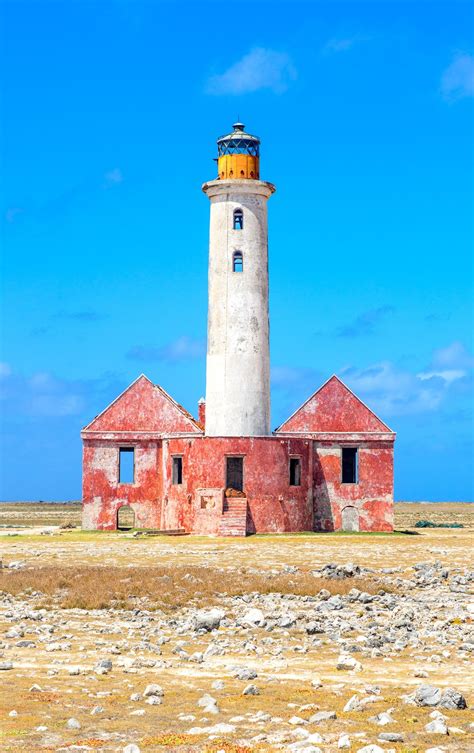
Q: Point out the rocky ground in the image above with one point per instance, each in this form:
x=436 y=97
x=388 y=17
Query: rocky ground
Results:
x=295 y=643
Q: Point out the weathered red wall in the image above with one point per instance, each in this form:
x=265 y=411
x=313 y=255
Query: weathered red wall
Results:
x=103 y=495
x=333 y=408
x=144 y=406
x=273 y=505
x=372 y=495
x=148 y=419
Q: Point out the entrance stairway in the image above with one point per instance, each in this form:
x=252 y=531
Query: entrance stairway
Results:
x=234 y=517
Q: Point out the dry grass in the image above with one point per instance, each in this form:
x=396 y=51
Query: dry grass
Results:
x=409 y=513
x=40 y=513
x=165 y=588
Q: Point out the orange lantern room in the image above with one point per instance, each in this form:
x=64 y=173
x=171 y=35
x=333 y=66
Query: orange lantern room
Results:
x=238 y=155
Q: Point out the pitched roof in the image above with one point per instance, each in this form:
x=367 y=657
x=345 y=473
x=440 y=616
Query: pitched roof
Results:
x=333 y=408
x=144 y=406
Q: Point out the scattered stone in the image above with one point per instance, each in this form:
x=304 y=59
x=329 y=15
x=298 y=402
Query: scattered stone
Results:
x=353 y=704
x=322 y=716
x=346 y=662
x=209 y=704
x=245 y=673
x=4 y=665
x=103 y=667
x=251 y=690
x=452 y=699
x=314 y=628
x=254 y=617
x=153 y=700
x=437 y=727
x=73 y=724
x=153 y=690
x=208 y=619
x=427 y=695
x=216 y=729
x=344 y=742
x=36 y=689
x=131 y=748
x=391 y=737
x=382 y=719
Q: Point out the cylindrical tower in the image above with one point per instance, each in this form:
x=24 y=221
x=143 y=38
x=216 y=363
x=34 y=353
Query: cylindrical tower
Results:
x=238 y=353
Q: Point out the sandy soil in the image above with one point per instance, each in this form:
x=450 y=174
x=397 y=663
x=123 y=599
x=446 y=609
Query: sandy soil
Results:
x=286 y=660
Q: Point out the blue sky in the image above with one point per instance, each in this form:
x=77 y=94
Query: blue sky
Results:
x=110 y=113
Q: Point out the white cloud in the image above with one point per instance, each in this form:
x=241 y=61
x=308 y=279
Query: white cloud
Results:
x=113 y=177
x=5 y=369
x=454 y=355
x=390 y=391
x=343 y=44
x=449 y=375
x=457 y=80
x=261 y=68
x=182 y=349
x=11 y=213
x=395 y=392
x=449 y=364
x=42 y=394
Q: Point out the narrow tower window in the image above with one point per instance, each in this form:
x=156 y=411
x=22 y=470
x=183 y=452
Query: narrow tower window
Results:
x=295 y=472
x=126 y=465
x=238 y=262
x=238 y=219
x=349 y=465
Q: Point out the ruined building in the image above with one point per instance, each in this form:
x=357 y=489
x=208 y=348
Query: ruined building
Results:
x=329 y=466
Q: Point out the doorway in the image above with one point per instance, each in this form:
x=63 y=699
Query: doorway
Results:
x=350 y=519
x=235 y=473
x=125 y=518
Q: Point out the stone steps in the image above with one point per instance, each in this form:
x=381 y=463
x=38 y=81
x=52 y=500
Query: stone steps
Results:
x=234 y=517
x=166 y=532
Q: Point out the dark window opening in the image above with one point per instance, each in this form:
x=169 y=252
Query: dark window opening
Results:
x=235 y=474
x=349 y=465
x=238 y=262
x=238 y=219
x=295 y=472
x=126 y=465
x=177 y=470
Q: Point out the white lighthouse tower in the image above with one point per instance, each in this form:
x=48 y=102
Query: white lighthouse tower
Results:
x=238 y=352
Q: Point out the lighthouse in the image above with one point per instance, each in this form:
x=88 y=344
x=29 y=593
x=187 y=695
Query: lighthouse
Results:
x=328 y=467
x=238 y=350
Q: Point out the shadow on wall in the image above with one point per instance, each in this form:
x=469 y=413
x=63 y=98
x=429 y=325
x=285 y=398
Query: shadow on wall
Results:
x=250 y=523
x=322 y=510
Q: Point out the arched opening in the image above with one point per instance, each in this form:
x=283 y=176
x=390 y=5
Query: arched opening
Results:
x=238 y=219
x=125 y=518
x=237 y=262
x=350 y=519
